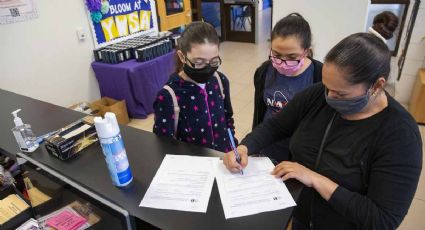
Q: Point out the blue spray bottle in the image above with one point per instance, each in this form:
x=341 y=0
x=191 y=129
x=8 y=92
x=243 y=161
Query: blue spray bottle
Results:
x=113 y=148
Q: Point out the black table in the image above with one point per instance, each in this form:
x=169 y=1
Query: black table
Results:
x=145 y=153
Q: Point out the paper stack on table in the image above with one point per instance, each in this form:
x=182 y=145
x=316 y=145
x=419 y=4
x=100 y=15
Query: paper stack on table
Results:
x=10 y=207
x=253 y=192
x=184 y=183
x=181 y=183
x=64 y=218
x=30 y=224
x=36 y=196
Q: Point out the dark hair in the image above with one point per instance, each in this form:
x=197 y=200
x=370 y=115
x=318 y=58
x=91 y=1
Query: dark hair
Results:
x=385 y=24
x=293 y=25
x=195 y=33
x=362 y=56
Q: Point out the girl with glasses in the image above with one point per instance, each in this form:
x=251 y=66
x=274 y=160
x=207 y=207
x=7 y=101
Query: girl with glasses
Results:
x=289 y=70
x=194 y=106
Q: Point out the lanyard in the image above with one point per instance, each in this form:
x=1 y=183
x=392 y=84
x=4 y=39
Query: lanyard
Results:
x=322 y=144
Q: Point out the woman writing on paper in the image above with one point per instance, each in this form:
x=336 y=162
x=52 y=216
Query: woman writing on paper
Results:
x=356 y=149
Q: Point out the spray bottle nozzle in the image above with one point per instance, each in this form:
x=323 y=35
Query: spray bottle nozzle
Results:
x=15 y=113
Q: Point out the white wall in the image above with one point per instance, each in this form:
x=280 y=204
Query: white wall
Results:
x=330 y=20
x=415 y=57
x=43 y=58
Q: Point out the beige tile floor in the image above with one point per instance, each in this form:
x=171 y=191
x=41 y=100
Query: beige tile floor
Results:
x=239 y=63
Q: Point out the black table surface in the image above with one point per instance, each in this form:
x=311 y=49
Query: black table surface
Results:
x=145 y=153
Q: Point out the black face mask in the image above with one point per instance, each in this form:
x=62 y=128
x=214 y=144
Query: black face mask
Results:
x=202 y=75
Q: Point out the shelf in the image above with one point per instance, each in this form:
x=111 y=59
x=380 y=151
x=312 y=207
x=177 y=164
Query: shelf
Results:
x=63 y=195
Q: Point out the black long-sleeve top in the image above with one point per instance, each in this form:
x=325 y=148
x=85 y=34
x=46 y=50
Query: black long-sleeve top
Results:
x=375 y=161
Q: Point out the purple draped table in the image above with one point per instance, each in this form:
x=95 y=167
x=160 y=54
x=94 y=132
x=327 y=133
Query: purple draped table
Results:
x=135 y=82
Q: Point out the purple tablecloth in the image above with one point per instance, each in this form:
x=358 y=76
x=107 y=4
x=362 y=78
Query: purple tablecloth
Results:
x=136 y=82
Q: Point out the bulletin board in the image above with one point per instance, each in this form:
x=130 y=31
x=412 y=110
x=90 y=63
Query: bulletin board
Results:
x=112 y=21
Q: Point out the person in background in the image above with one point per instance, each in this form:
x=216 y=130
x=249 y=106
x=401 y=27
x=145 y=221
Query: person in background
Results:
x=194 y=106
x=384 y=25
x=356 y=149
x=289 y=70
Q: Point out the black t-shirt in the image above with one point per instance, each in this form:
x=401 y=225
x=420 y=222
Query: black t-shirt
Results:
x=375 y=161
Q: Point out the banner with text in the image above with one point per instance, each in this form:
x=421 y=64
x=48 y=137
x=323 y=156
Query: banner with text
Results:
x=114 y=20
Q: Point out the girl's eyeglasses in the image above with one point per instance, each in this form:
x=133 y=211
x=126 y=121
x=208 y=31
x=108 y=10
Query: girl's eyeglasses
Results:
x=200 y=63
x=279 y=61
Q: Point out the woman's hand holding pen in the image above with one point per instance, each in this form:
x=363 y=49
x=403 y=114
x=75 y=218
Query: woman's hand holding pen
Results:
x=230 y=161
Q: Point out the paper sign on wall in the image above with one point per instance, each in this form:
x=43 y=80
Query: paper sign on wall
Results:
x=12 y=11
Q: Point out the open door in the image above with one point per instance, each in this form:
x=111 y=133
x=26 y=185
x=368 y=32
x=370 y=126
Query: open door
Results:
x=173 y=13
x=240 y=17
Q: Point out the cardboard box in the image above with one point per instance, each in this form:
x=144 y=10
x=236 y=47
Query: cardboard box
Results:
x=106 y=104
x=70 y=140
x=417 y=99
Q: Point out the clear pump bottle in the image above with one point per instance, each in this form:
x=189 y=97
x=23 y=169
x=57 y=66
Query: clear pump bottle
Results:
x=23 y=134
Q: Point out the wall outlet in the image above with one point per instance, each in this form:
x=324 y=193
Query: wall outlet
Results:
x=81 y=34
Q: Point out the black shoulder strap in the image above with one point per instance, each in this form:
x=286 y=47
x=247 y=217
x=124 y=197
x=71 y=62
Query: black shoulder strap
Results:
x=322 y=144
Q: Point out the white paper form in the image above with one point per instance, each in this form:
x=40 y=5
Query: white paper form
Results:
x=253 y=192
x=182 y=183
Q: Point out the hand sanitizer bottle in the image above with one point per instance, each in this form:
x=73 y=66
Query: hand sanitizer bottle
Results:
x=113 y=148
x=23 y=134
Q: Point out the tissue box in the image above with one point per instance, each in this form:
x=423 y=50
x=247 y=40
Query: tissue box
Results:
x=70 y=140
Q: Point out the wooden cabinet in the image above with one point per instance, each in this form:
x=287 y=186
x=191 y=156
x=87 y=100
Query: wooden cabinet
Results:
x=417 y=100
x=173 y=13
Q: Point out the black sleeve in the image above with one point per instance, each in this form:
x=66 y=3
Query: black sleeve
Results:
x=283 y=124
x=394 y=173
x=259 y=105
x=228 y=110
x=318 y=66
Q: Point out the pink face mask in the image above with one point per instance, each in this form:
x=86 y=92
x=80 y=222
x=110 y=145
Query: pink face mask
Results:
x=283 y=68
